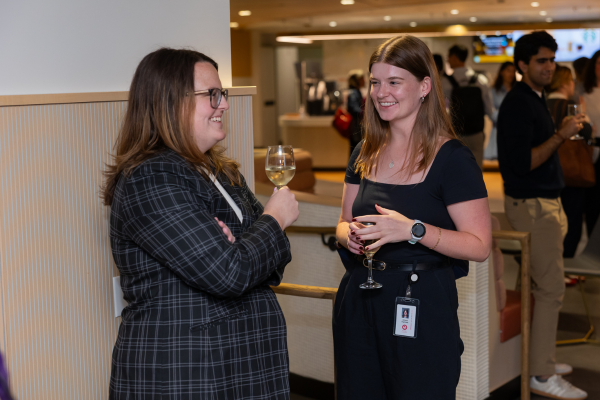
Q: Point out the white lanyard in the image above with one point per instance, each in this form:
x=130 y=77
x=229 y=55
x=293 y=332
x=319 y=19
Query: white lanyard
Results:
x=235 y=207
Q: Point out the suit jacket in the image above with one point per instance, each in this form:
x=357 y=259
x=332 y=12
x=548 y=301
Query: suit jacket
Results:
x=202 y=321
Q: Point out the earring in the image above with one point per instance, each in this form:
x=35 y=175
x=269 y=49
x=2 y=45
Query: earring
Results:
x=422 y=99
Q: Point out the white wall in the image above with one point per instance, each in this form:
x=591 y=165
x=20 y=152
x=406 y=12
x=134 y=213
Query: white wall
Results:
x=73 y=46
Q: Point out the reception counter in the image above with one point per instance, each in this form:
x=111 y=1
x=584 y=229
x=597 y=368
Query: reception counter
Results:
x=316 y=134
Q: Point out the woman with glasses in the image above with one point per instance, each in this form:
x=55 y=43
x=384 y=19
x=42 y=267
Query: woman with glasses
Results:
x=425 y=193
x=195 y=250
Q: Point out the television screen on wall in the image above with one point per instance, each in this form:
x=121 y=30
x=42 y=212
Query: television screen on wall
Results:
x=572 y=44
x=493 y=49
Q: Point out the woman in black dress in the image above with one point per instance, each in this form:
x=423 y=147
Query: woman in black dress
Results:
x=409 y=168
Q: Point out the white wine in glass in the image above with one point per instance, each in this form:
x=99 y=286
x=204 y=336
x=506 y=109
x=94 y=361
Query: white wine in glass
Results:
x=280 y=165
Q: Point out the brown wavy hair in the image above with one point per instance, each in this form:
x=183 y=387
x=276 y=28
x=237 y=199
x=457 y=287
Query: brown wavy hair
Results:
x=562 y=75
x=159 y=116
x=432 y=122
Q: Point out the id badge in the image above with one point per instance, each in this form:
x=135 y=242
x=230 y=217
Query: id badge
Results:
x=407 y=316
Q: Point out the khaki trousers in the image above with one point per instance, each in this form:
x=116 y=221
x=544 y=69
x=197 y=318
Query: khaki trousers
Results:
x=475 y=144
x=547 y=222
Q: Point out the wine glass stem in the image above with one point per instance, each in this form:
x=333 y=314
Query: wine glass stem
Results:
x=370 y=261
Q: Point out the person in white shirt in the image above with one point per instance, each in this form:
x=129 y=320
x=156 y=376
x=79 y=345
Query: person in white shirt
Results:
x=468 y=121
x=591 y=98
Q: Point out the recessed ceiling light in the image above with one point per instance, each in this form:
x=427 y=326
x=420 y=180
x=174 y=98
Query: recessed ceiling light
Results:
x=549 y=20
x=535 y=4
x=333 y=24
x=387 y=18
x=543 y=13
x=453 y=12
x=347 y=2
x=413 y=24
x=498 y=33
x=234 y=25
x=244 y=13
x=473 y=19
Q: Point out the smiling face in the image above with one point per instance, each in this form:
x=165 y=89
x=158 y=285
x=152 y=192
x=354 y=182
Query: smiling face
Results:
x=208 y=124
x=538 y=73
x=396 y=92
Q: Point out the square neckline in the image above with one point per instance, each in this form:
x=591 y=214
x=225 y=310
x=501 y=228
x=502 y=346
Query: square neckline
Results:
x=426 y=176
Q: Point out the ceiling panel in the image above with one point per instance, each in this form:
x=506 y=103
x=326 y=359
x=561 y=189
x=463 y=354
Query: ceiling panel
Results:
x=304 y=16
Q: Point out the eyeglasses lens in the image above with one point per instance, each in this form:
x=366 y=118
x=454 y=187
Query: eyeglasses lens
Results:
x=215 y=97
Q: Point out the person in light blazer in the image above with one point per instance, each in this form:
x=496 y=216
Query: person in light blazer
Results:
x=202 y=321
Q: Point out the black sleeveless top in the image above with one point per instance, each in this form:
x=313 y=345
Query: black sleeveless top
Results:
x=454 y=177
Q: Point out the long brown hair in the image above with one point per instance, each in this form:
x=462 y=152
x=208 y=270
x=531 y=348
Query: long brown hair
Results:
x=432 y=122
x=562 y=75
x=159 y=116
x=499 y=82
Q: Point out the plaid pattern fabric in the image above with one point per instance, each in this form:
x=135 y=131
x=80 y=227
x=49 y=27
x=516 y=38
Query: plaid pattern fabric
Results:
x=202 y=322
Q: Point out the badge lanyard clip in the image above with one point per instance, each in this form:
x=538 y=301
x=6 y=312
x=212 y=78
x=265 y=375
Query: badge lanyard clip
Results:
x=413 y=278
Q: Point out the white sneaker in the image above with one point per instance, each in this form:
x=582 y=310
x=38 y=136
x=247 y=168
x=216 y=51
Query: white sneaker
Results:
x=562 y=369
x=556 y=388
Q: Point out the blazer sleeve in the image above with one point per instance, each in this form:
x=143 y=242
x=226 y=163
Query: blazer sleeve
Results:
x=257 y=211
x=167 y=218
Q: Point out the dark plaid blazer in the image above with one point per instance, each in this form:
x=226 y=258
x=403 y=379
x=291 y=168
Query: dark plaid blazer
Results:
x=202 y=321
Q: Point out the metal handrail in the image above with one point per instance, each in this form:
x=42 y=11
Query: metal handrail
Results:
x=523 y=237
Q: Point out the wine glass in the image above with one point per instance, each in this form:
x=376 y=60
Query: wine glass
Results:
x=280 y=165
x=370 y=283
x=573 y=110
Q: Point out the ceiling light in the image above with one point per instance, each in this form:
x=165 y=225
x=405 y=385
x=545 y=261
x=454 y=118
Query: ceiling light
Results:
x=387 y=18
x=347 y=2
x=473 y=19
x=549 y=20
x=413 y=24
x=244 y=13
x=543 y=13
x=535 y=4
x=333 y=24
x=453 y=12
x=293 y=39
x=234 y=25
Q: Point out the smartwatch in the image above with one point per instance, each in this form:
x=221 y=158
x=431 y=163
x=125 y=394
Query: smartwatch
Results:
x=417 y=231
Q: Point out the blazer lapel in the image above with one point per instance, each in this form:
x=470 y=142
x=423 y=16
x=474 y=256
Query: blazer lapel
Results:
x=242 y=203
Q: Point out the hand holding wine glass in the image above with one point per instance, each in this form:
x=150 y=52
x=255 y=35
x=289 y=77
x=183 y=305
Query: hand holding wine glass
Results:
x=572 y=111
x=280 y=165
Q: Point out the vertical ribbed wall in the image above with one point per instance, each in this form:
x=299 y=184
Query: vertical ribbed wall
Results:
x=57 y=329
x=239 y=141
x=473 y=316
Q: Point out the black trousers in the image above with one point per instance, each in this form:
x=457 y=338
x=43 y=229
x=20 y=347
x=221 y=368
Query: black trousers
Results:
x=372 y=363
x=572 y=199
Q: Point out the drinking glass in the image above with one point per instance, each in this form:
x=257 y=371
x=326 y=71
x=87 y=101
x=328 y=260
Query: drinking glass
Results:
x=280 y=165
x=573 y=110
x=370 y=283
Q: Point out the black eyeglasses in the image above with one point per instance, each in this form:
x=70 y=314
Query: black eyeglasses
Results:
x=215 y=95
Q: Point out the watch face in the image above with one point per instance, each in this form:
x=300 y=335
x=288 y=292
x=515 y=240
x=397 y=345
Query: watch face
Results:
x=418 y=230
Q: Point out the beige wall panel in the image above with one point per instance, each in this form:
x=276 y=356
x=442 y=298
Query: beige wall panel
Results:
x=239 y=141
x=57 y=327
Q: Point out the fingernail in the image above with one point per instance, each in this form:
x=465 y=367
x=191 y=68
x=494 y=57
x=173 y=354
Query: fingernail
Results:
x=377 y=205
x=358 y=237
x=352 y=233
x=362 y=248
x=353 y=219
x=362 y=241
x=366 y=248
x=362 y=252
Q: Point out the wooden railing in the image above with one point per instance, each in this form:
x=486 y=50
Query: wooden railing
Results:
x=523 y=237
